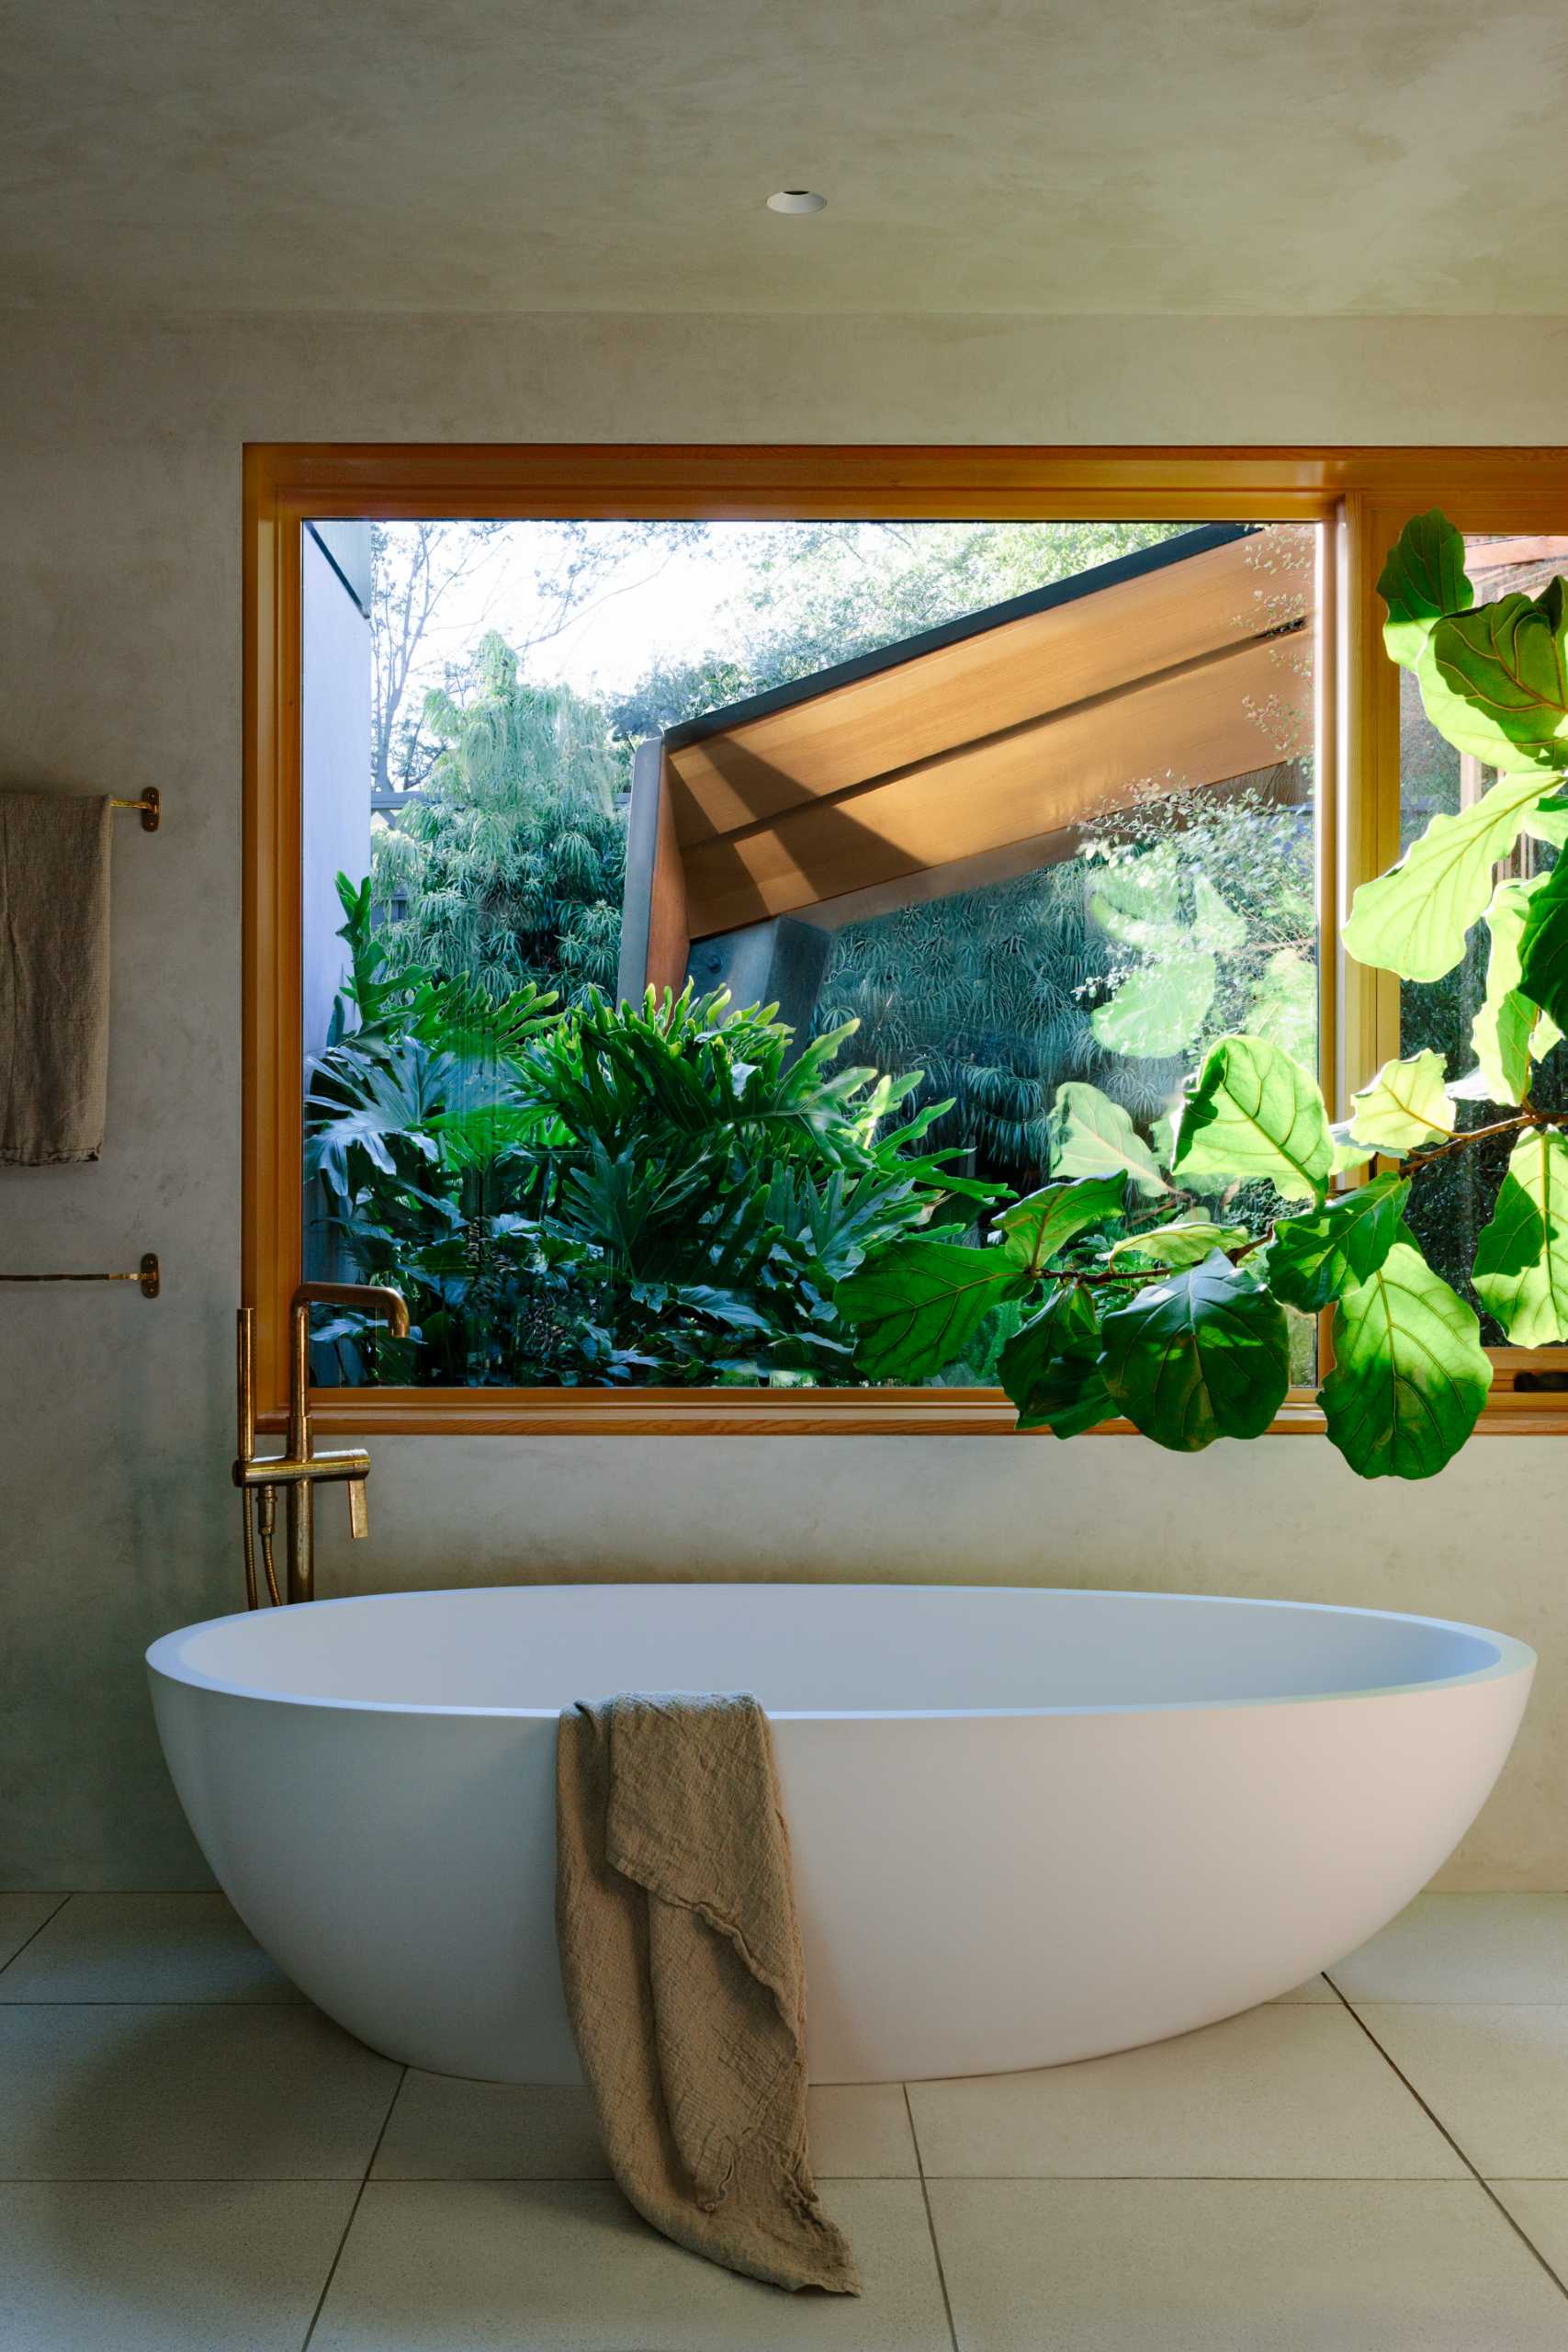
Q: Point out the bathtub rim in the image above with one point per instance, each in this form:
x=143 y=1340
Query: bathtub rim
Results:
x=164 y=1659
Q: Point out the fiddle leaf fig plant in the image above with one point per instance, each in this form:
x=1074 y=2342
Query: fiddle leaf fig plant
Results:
x=1153 y=1276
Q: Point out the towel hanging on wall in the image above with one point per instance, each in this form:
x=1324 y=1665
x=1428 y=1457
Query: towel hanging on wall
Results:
x=54 y=977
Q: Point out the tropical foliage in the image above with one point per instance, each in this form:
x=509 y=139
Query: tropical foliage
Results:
x=508 y=866
x=632 y=1196
x=1155 y=1282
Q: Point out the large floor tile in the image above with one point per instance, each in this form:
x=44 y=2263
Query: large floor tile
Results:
x=443 y=2129
x=1541 y=2208
x=514 y=2267
x=1494 y=2075
x=146 y=1948
x=1252 y=2266
x=165 y=2266
x=1286 y=2091
x=1465 y=1947
x=22 y=1916
x=104 y=2093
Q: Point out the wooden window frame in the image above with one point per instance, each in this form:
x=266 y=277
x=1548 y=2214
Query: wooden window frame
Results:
x=1360 y=496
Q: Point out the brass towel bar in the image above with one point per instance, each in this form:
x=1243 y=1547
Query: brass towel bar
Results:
x=147 y=1277
x=151 y=808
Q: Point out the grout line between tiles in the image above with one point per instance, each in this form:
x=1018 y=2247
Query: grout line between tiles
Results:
x=930 y=2220
x=37 y=1931
x=353 y=2210
x=1437 y=2124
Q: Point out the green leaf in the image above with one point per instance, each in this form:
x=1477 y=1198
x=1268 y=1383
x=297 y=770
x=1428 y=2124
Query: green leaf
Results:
x=1543 y=945
x=1137 y=902
x=1216 y=925
x=1348 y=1157
x=1034 y=1229
x=1510 y=1028
x=1092 y=1136
x=1406 y=1103
x=1521 y=1259
x=1187 y=1244
x=1422 y=579
x=917 y=1305
x=1410 y=1374
x=1507 y=663
x=1205 y=1353
x=1414 y=920
x=1284 y=1005
x=1158 y=1009
x=1256 y=1112
x=1316 y=1259
x=1050 y=1367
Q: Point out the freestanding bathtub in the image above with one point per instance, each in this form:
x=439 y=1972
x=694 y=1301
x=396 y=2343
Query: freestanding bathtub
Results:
x=1028 y=1826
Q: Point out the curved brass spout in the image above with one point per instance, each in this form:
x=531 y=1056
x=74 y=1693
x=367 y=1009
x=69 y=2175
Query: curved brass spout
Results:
x=298 y=1469
x=300 y=1518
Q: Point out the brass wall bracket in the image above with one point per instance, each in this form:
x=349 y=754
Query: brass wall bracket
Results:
x=150 y=805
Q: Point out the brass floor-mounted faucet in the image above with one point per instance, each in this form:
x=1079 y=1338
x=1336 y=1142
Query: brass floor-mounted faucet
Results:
x=298 y=1469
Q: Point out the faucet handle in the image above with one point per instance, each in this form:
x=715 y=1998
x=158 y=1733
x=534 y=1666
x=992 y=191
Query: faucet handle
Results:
x=358 y=1507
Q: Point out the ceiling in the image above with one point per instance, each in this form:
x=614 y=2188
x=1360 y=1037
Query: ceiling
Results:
x=1202 y=156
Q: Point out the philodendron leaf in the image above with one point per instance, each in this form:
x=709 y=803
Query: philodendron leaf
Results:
x=1414 y=920
x=1422 y=579
x=1510 y=1030
x=1050 y=1367
x=1034 y=1229
x=1507 y=663
x=1158 y=1009
x=1092 y=1136
x=1410 y=1374
x=917 y=1305
x=1315 y=1259
x=1543 y=945
x=1521 y=1259
x=1405 y=1104
x=1187 y=1244
x=1202 y=1354
x=1256 y=1112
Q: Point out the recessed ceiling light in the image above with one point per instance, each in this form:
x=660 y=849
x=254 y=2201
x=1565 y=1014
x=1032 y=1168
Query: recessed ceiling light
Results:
x=796 y=199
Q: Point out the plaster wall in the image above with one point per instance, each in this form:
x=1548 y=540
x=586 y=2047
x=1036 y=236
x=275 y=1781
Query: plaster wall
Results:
x=120 y=666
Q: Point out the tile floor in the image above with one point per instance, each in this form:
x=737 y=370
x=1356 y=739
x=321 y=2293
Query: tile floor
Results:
x=192 y=2160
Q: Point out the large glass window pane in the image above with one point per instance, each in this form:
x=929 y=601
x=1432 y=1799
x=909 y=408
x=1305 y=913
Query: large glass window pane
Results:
x=1452 y=1202
x=1101 y=860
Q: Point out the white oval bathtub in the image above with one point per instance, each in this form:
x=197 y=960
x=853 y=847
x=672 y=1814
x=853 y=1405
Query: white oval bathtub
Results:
x=1028 y=1826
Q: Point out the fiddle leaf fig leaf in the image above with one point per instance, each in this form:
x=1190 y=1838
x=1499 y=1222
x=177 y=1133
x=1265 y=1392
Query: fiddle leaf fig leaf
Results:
x=1315 y=1259
x=1507 y=665
x=1348 y=1157
x=1158 y=1009
x=1543 y=946
x=1034 y=1229
x=1092 y=1136
x=1187 y=1244
x=1521 y=1259
x=1405 y=1104
x=1510 y=1030
x=1410 y=1374
x=1415 y=919
x=1423 y=578
x=1256 y=1112
x=1284 y=1005
x=917 y=1305
x=1216 y=926
x=1203 y=1354
x=1050 y=1367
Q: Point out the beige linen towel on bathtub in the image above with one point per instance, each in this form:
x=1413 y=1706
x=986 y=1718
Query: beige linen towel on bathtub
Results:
x=54 y=977
x=681 y=1960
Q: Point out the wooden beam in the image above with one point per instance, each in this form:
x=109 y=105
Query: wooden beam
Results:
x=1204 y=725
x=1004 y=677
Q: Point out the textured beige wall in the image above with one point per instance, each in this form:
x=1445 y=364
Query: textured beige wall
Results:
x=120 y=666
